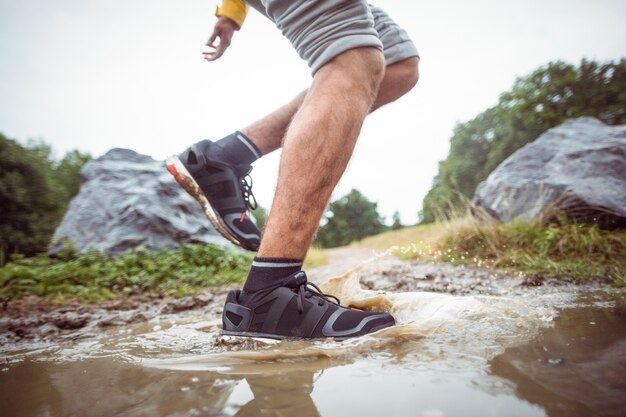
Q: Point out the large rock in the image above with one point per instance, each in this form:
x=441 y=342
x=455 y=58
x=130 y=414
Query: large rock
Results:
x=578 y=167
x=128 y=200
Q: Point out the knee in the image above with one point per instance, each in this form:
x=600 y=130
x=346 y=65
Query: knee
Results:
x=374 y=69
x=362 y=69
x=371 y=69
x=409 y=73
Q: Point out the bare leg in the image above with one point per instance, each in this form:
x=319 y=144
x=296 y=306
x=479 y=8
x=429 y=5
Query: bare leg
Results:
x=268 y=132
x=317 y=147
x=399 y=79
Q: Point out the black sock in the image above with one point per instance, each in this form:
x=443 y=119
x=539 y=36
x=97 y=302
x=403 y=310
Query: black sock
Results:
x=267 y=274
x=239 y=149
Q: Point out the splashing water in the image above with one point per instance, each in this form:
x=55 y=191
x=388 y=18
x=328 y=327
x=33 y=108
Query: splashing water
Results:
x=430 y=325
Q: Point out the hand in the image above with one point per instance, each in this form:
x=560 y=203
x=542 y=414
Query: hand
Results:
x=224 y=30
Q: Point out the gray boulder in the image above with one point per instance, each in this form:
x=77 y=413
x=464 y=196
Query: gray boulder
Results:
x=127 y=200
x=578 y=167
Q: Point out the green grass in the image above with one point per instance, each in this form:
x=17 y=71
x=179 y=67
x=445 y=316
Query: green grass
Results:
x=564 y=249
x=560 y=250
x=93 y=277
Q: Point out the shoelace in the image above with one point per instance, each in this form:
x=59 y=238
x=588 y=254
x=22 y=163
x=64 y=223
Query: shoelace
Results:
x=304 y=292
x=246 y=188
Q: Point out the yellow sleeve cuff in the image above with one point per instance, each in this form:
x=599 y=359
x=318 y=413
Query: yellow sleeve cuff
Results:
x=236 y=10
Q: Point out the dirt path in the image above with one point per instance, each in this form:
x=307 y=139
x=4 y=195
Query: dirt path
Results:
x=342 y=260
x=385 y=272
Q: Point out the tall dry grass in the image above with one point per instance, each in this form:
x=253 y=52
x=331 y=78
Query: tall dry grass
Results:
x=560 y=249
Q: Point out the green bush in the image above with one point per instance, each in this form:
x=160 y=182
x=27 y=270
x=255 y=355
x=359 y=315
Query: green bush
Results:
x=34 y=193
x=93 y=276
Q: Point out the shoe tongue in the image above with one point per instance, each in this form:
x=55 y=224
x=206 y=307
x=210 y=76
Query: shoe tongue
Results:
x=297 y=279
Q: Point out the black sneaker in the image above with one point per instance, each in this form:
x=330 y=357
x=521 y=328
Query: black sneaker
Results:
x=224 y=191
x=297 y=311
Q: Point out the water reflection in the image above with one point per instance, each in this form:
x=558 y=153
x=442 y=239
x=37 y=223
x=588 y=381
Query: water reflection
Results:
x=105 y=387
x=286 y=394
x=577 y=367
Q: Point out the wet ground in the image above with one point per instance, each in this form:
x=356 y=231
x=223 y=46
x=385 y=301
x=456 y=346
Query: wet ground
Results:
x=469 y=342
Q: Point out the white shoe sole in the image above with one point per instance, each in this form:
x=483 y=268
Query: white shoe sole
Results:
x=184 y=178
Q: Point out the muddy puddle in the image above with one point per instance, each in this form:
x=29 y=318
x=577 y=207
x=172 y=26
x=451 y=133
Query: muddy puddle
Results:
x=469 y=342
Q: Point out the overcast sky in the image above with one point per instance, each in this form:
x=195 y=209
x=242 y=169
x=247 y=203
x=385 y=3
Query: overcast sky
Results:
x=98 y=74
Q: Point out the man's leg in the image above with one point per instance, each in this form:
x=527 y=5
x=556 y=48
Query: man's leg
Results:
x=317 y=147
x=267 y=133
x=227 y=211
x=399 y=79
x=213 y=172
x=276 y=300
x=346 y=53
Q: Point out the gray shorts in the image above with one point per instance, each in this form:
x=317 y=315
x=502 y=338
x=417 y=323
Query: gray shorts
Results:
x=320 y=30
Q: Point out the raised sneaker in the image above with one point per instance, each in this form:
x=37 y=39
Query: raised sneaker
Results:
x=224 y=191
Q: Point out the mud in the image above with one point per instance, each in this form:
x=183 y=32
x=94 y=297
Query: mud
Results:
x=34 y=319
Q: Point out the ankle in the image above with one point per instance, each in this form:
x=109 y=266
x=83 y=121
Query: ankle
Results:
x=267 y=274
x=239 y=149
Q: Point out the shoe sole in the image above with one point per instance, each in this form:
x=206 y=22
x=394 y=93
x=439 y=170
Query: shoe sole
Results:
x=183 y=177
x=281 y=337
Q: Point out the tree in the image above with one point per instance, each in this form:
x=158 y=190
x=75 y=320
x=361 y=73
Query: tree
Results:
x=537 y=102
x=34 y=193
x=397 y=222
x=25 y=197
x=67 y=174
x=350 y=218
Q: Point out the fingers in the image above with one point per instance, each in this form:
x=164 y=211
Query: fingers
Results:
x=218 y=50
x=212 y=39
x=210 y=56
x=223 y=31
